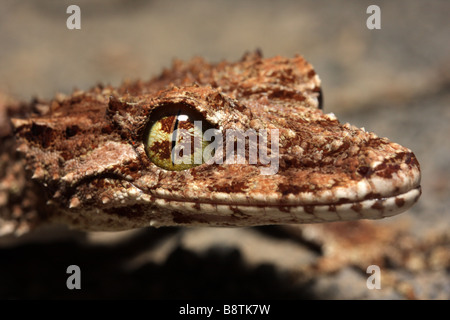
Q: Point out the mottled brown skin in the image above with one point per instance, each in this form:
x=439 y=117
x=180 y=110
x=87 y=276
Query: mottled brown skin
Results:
x=86 y=156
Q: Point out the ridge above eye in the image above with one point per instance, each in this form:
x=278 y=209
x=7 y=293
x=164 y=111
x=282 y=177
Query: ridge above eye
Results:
x=174 y=139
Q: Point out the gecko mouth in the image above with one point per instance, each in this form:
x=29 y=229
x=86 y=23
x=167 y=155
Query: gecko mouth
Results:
x=222 y=215
x=373 y=197
x=219 y=212
x=168 y=211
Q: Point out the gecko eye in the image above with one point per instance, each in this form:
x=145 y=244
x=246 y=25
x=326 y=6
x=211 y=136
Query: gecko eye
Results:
x=174 y=137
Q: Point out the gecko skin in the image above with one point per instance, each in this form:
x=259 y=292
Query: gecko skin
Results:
x=86 y=160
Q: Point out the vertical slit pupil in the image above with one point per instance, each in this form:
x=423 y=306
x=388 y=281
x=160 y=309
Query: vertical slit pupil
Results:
x=174 y=137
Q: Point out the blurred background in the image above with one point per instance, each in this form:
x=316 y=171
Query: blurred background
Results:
x=394 y=81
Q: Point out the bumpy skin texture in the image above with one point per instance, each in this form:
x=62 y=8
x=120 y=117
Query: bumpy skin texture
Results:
x=86 y=156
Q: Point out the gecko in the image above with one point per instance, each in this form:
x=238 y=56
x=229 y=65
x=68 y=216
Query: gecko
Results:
x=102 y=159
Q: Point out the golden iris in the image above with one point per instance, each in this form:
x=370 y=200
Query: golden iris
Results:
x=174 y=137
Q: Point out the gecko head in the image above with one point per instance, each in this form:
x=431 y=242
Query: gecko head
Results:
x=110 y=160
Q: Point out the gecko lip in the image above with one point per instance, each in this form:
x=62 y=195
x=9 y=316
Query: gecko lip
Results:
x=223 y=209
x=413 y=193
x=220 y=214
x=373 y=197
